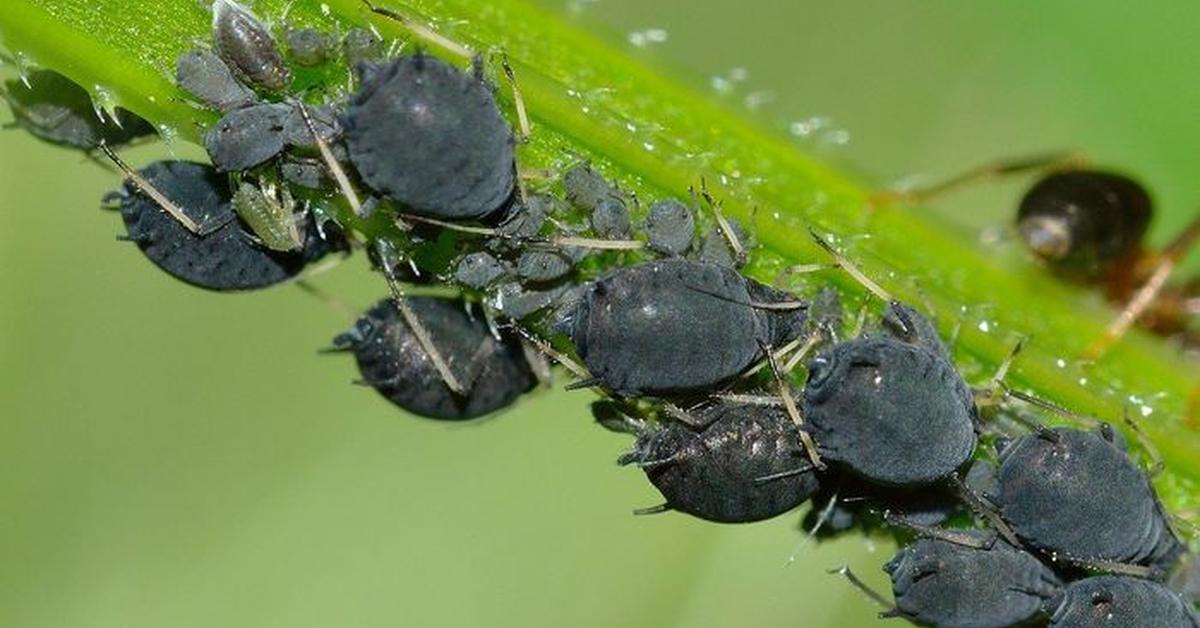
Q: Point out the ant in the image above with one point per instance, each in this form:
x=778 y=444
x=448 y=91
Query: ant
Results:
x=1088 y=226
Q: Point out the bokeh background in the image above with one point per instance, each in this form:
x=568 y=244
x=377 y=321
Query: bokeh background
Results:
x=170 y=457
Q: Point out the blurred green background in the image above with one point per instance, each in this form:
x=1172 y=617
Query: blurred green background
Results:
x=177 y=458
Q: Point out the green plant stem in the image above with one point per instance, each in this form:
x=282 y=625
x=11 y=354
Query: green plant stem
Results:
x=589 y=101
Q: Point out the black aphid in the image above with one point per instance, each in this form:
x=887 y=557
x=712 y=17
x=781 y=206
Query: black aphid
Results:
x=309 y=46
x=676 y=326
x=391 y=359
x=947 y=585
x=361 y=45
x=1077 y=494
x=1120 y=602
x=247 y=137
x=543 y=265
x=671 y=227
x=224 y=258
x=716 y=247
x=739 y=463
x=248 y=47
x=585 y=188
x=872 y=403
x=479 y=270
x=57 y=110
x=518 y=301
x=204 y=75
x=431 y=137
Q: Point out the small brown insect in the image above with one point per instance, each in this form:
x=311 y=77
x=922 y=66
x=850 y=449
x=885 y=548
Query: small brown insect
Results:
x=247 y=46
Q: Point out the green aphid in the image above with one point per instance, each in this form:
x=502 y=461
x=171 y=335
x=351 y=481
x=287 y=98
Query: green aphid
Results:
x=269 y=211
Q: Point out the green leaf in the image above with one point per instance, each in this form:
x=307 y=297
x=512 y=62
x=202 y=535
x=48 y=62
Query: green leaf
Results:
x=589 y=101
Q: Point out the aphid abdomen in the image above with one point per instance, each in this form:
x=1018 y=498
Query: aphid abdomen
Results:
x=1083 y=221
x=892 y=413
x=432 y=138
x=1120 y=602
x=246 y=137
x=248 y=47
x=715 y=473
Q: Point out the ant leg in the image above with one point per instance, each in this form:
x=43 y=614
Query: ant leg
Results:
x=422 y=31
x=387 y=257
x=1167 y=260
x=145 y=187
x=844 y=571
x=999 y=168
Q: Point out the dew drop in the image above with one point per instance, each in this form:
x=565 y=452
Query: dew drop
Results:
x=647 y=37
x=984 y=327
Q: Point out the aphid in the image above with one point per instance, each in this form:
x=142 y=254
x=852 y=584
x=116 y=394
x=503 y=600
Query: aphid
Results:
x=309 y=46
x=325 y=123
x=1089 y=225
x=57 y=110
x=391 y=359
x=585 y=188
x=247 y=137
x=361 y=45
x=671 y=227
x=739 y=463
x=204 y=75
x=479 y=270
x=1075 y=494
x=872 y=401
x=518 y=302
x=270 y=213
x=431 y=137
x=652 y=328
x=940 y=583
x=1120 y=602
x=248 y=47
x=542 y=265
x=716 y=247
x=223 y=258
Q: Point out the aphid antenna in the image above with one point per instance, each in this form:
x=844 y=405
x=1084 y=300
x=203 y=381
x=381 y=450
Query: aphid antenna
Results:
x=995 y=391
x=331 y=164
x=789 y=403
x=735 y=243
x=518 y=99
x=1048 y=406
x=653 y=510
x=147 y=188
x=593 y=243
x=326 y=298
x=851 y=268
x=874 y=595
x=956 y=537
x=585 y=378
x=1156 y=461
x=822 y=519
x=780 y=354
x=681 y=415
x=423 y=32
x=1109 y=566
x=750 y=400
x=790 y=473
x=1057 y=160
x=986 y=510
x=387 y=256
x=781 y=279
x=1141 y=301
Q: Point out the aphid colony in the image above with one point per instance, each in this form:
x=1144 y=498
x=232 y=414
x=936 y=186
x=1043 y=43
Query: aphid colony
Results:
x=692 y=358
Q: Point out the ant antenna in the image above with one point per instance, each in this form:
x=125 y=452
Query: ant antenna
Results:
x=145 y=187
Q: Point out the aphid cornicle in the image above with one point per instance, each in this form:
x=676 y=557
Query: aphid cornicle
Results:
x=676 y=326
x=872 y=402
x=1120 y=602
x=718 y=469
x=246 y=45
x=55 y=109
x=391 y=359
x=223 y=258
x=1077 y=494
x=432 y=138
x=947 y=585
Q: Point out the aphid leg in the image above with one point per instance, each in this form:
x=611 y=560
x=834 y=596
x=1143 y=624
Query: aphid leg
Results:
x=844 y=571
x=329 y=300
x=585 y=378
x=1125 y=569
x=681 y=415
x=783 y=277
x=1165 y=264
x=995 y=392
x=943 y=534
x=767 y=479
x=789 y=403
x=387 y=258
x=851 y=268
x=537 y=363
x=1003 y=167
x=653 y=510
x=985 y=509
x=735 y=243
x=592 y=243
x=780 y=353
x=1156 y=462
x=802 y=353
x=145 y=187
x=753 y=400
x=423 y=32
x=331 y=164
x=1042 y=404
